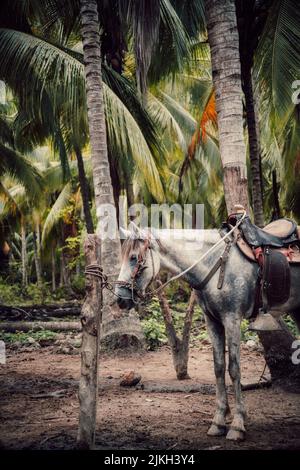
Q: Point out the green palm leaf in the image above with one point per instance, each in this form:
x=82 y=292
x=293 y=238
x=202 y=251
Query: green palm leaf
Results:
x=45 y=65
x=55 y=212
x=21 y=169
x=278 y=56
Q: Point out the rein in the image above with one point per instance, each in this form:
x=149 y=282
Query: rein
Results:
x=207 y=278
x=96 y=270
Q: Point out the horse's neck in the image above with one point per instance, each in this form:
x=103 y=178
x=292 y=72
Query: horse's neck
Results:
x=179 y=254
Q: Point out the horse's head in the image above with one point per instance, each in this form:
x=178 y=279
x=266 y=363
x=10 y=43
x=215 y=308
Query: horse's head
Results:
x=140 y=265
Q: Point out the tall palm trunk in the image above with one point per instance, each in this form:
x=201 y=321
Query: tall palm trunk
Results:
x=24 y=253
x=224 y=43
x=118 y=329
x=84 y=188
x=226 y=71
x=254 y=147
x=276 y=214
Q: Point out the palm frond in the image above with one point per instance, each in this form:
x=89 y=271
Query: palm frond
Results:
x=43 y=65
x=184 y=118
x=164 y=118
x=278 y=56
x=21 y=169
x=55 y=212
x=124 y=134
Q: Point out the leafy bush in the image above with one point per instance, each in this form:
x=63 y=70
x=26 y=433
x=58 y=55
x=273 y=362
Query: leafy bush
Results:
x=245 y=334
x=78 y=285
x=24 y=338
x=291 y=325
x=154 y=332
x=9 y=293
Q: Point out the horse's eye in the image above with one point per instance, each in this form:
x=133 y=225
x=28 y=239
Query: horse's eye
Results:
x=133 y=258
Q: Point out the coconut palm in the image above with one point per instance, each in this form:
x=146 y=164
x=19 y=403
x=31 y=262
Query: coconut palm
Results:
x=226 y=73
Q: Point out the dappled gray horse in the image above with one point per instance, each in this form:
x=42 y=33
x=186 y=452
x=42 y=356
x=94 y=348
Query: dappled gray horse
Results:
x=149 y=251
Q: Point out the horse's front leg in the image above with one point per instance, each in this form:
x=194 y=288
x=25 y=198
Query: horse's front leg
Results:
x=232 y=325
x=217 y=336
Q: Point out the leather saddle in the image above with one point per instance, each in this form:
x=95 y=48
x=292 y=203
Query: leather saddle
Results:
x=274 y=248
x=282 y=235
x=277 y=234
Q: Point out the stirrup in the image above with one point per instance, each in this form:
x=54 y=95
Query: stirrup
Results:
x=264 y=322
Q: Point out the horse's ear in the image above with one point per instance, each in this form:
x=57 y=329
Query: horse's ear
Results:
x=124 y=233
x=135 y=231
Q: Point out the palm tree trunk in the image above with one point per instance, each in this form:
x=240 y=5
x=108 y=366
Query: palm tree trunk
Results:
x=118 y=329
x=276 y=208
x=254 y=147
x=84 y=188
x=226 y=71
x=24 y=253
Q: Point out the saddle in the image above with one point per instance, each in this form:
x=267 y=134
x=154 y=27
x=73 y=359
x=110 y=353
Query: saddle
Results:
x=275 y=248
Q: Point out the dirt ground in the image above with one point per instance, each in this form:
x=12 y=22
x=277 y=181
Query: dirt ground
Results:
x=135 y=418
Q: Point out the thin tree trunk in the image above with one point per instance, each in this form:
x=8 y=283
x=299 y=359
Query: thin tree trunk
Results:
x=91 y=323
x=65 y=271
x=276 y=208
x=24 y=253
x=37 y=255
x=84 y=188
x=254 y=148
x=226 y=71
x=53 y=268
x=118 y=329
x=179 y=346
x=61 y=271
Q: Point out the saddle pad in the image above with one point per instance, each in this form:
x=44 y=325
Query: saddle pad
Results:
x=276 y=278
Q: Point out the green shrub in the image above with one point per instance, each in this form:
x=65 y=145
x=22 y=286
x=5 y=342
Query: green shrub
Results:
x=154 y=332
x=291 y=325
x=78 y=285
x=23 y=338
x=245 y=334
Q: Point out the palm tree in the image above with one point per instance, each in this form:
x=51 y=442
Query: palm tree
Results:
x=110 y=248
x=226 y=72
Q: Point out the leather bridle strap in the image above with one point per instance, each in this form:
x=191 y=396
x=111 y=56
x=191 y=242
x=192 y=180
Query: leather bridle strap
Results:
x=220 y=264
x=141 y=259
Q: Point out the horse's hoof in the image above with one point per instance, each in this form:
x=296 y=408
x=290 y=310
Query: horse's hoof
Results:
x=216 y=430
x=235 y=435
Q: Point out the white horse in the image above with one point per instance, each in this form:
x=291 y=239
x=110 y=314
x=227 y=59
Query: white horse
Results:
x=149 y=251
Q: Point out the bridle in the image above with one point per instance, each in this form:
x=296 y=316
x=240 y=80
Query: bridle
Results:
x=138 y=268
x=140 y=265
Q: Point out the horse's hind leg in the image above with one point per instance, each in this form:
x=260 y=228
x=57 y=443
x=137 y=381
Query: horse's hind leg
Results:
x=217 y=335
x=232 y=325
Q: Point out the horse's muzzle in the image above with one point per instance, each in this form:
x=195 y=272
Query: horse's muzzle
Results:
x=124 y=298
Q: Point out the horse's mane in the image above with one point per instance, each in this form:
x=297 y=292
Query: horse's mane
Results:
x=136 y=244
x=130 y=245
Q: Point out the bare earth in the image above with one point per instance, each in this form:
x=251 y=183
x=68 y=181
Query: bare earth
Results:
x=136 y=419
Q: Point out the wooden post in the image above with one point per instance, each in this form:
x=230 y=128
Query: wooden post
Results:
x=91 y=320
